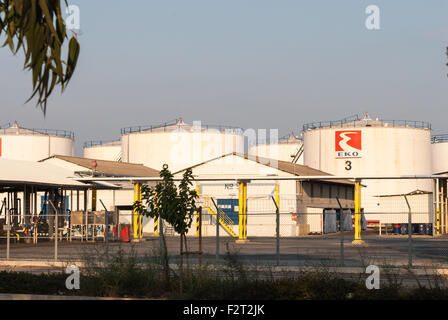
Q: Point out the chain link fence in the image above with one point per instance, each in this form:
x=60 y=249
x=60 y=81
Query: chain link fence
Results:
x=396 y=230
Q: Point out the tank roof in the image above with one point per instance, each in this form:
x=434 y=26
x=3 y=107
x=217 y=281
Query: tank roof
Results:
x=290 y=138
x=14 y=128
x=178 y=125
x=366 y=121
x=96 y=143
x=439 y=138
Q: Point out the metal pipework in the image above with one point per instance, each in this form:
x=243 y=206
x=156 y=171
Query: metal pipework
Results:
x=250 y=178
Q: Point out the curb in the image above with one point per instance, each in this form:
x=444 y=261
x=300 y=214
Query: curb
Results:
x=351 y=270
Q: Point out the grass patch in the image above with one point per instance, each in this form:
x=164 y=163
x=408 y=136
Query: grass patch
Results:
x=126 y=275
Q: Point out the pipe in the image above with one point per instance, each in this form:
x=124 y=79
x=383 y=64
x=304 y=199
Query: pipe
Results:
x=409 y=233
x=249 y=178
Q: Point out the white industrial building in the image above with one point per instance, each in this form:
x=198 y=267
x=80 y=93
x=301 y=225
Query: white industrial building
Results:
x=103 y=150
x=302 y=204
x=19 y=143
x=22 y=186
x=288 y=148
x=356 y=147
x=123 y=194
x=178 y=144
x=349 y=148
x=439 y=150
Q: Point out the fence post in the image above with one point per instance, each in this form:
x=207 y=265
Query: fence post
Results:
x=341 y=230
x=8 y=232
x=160 y=229
x=217 y=232
x=277 y=200
x=200 y=240
x=409 y=233
x=106 y=230
x=277 y=231
x=56 y=231
x=198 y=214
x=56 y=225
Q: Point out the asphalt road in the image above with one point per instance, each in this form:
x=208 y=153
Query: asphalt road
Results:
x=302 y=251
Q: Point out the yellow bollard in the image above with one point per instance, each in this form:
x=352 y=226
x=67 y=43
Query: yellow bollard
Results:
x=197 y=214
x=277 y=195
x=245 y=210
x=357 y=213
x=242 y=210
x=136 y=217
x=94 y=199
x=438 y=207
x=156 y=226
x=156 y=221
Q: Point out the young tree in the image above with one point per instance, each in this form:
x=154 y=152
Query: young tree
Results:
x=38 y=28
x=175 y=205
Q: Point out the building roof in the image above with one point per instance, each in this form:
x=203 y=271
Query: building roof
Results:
x=19 y=173
x=292 y=168
x=288 y=167
x=110 y=168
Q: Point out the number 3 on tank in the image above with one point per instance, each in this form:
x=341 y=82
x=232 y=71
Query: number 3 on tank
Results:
x=348 y=165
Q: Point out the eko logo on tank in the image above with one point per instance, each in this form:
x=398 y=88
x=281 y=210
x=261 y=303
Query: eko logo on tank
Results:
x=348 y=144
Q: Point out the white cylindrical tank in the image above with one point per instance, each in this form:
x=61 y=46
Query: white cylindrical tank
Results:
x=178 y=144
x=103 y=150
x=287 y=149
x=21 y=143
x=365 y=147
x=439 y=154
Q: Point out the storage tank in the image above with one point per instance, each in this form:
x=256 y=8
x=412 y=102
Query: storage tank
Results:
x=21 y=143
x=178 y=144
x=288 y=148
x=103 y=150
x=364 y=147
x=439 y=148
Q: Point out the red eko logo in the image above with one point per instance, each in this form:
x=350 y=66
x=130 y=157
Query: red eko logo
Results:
x=348 y=143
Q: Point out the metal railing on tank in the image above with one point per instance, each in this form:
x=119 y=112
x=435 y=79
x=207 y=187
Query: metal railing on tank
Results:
x=332 y=123
x=53 y=132
x=34 y=131
x=5 y=126
x=439 y=138
x=164 y=127
x=95 y=143
x=408 y=123
x=355 y=121
x=288 y=137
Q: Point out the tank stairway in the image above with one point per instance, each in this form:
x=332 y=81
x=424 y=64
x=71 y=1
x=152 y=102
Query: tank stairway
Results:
x=118 y=157
x=224 y=221
x=298 y=154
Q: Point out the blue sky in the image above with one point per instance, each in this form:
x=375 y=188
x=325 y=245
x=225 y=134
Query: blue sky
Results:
x=249 y=63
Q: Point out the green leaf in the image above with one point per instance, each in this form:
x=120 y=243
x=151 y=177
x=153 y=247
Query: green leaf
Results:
x=37 y=27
